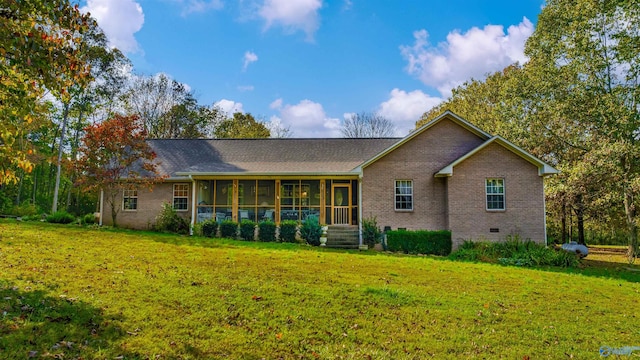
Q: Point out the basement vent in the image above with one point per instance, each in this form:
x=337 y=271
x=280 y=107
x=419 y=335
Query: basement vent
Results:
x=494 y=230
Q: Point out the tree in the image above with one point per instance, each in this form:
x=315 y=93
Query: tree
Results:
x=114 y=156
x=41 y=41
x=367 y=125
x=586 y=70
x=241 y=126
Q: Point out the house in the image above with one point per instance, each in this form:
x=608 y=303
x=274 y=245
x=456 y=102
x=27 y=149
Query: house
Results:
x=448 y=174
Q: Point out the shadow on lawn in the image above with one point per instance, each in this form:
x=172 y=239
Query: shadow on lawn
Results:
x=34 y=324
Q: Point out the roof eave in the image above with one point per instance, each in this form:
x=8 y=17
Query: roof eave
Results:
x=281 y=173
x=544 y=169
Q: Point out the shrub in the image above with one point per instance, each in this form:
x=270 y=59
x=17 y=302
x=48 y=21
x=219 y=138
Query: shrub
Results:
x=420 y=242
x=209 y=228
x=288 y=229
x=61 y=217
x=267 y=231
x=168 y=220
x=311 y=231
x=25 y=209
x=229 y=229
x=516 y=252
x=247 y=230
x=88 y=219
x=371 y=233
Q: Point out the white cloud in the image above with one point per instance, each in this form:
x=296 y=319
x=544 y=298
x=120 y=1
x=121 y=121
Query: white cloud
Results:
x=229 y=106
x=465 y=55
x=306 y=119
x=292 y=15
x=119 y=19
x=276 y=104
x=405 y=108
x=196 y=6
x=249 y=57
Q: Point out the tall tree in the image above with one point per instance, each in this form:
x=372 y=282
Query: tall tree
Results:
x=367 y=125
x=241 y=126
x=586 y=71
x=41 y=41
x=114 y=156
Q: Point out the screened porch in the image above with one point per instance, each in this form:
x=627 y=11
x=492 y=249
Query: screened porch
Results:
x=331 y=201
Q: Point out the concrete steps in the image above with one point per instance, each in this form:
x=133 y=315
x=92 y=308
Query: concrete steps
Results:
x=343 y=236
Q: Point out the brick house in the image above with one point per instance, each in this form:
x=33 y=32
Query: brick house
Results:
x=448 y=174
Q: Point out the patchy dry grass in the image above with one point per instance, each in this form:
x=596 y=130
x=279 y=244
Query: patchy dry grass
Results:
x=78 y=292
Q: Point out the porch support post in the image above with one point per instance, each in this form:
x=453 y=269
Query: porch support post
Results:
x=360 y=209
x=193 y=205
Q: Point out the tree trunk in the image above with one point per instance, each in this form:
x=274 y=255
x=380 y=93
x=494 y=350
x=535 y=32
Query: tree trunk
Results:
x=580 y=218
x=630 y=212
x=56 y=189
x=564 y=221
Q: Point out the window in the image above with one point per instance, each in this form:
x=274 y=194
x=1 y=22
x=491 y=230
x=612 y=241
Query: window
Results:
x=404 y=195
x=495 y=194
x=180 y=197
x=130 y=200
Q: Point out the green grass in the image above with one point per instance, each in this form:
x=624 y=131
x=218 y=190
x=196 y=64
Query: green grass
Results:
x=76 y=292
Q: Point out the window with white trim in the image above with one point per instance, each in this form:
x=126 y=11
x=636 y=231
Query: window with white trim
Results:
x=495 y=194
x=181 y=197
x=130 y=200
x=404 y=195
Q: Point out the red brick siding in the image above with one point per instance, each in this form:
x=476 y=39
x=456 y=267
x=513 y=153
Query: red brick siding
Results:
x=417 y=160
x=524 y=196
x=149 y=206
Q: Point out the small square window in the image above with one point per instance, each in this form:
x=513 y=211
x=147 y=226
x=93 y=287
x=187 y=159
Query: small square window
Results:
x=495 y=194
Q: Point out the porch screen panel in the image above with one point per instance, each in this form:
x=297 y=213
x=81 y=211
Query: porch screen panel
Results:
x=354 y=202
x=289 y=200
x=327 y=202
x=266 y=200
x=311 y=203
x=247 y=194
x=223 y=199
x=204 y=191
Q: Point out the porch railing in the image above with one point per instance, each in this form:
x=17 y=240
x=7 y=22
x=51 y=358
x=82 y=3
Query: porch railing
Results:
x=341 y=215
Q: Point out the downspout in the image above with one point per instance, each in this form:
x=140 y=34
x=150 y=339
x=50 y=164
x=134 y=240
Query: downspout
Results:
x=101 y=206
x=360 y=210
x=193 y=205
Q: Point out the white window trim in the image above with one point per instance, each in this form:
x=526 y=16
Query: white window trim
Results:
x=128 y=192
x=504 y=195
x=173 y=202
x=395 y=196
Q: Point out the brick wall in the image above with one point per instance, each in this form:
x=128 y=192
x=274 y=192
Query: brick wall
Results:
x=524 y=197
x=149 y=206
x=417 y=160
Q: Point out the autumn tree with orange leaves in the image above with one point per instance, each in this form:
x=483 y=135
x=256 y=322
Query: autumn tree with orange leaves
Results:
x=114 y=157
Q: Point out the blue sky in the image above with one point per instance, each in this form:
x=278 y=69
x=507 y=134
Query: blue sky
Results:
x=307 y=64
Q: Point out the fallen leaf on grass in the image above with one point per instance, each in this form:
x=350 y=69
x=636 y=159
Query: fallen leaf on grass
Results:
x=256 y=298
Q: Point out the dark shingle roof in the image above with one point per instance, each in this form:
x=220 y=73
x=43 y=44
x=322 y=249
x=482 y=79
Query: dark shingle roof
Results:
x=268 y=156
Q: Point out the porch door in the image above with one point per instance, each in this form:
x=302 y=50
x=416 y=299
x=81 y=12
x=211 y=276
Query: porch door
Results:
x=341 y=204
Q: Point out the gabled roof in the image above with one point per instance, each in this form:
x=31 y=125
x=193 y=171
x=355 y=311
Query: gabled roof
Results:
x=445 y=115
x=543 y=168
x=180 y=158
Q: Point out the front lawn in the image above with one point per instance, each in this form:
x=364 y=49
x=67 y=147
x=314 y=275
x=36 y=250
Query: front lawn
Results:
x=76 y=292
